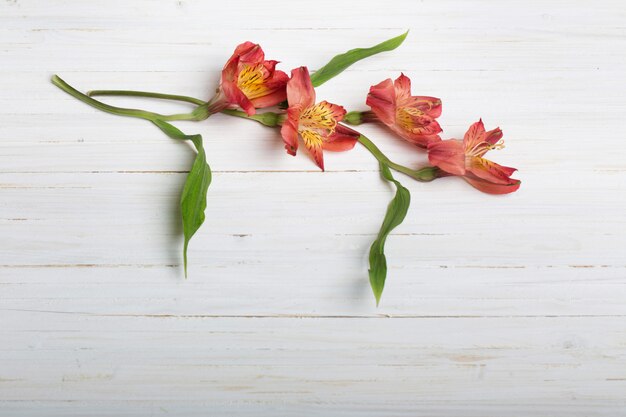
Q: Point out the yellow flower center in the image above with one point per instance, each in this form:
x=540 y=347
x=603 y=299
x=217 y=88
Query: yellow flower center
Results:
x=315 y=123
x=404 y=117
x=251 y=82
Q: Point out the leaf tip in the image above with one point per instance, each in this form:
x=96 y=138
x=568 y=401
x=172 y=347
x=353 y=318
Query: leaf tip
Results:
x=377 y=286
x=402 y=37
x=185 y=257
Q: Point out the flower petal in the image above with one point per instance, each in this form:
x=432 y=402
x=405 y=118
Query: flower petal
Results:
x=273 y=89
x=343 y=139
x=242 y=54
x=381 y=99
x=402 y=87
x=314 y=142
x=235 y=96
x=420 y=140
x=474 y=135
x=491 y=188
x=448 y=155
x=289 y=132
x=490 y=171
x=276 y=79
x=430 y=106
x=251 y=80
x=322 y=117
x=415 y=127
x=493 y=136
x=250 y=53
x=300 y=90
x=278 y=95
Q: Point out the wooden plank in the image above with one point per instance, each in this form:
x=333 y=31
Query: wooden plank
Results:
x=356 y=366
x=495 y=306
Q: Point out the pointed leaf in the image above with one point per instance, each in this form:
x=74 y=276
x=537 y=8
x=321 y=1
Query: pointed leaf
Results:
x=396 y=212
x=340 y=62
x=193 y=198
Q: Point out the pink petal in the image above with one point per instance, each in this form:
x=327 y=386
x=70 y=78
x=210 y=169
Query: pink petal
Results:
x=276 y=82
x=289 y=132
x=423 y=141
x=270 y=66
x=474 y=135
x=244 y=48
x=491 y=188
x=317 y=154
x=402 y=87
x=493 y=136
x=448 y=155
x=490 y=171
x=231 y=67
x=236 y=97
x=430 y=106
x=300 y=90
x=381 y=99
x=272 y=78
x=343 y=139
x=421 y=131
x=272 y=99
x=229 y=73
x=337 y=112
x=250 y=53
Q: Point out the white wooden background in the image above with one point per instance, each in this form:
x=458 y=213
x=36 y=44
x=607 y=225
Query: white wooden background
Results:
x=495 y=306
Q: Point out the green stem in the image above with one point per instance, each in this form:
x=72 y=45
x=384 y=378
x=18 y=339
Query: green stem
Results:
x=149 y=94
x=424 y=175
x=237 y=113
x=269 y=118
x=200 y=113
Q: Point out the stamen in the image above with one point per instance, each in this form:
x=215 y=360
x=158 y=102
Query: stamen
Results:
x=499 y=145
x=311 y=139
x=318 y=117
x=483 y=147
x=404 y=116
x=251 y=82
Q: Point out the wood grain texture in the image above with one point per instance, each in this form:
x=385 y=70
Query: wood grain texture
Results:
x=495 y=306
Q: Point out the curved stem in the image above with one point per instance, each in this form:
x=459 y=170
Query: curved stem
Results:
x=424 y=175
x=237 y=113
x=269 y=118
x=200 y=113
x=148 y=94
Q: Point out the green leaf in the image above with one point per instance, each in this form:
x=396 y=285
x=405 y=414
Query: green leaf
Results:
x=396 y=212
x=343 y=61
x=193 y=198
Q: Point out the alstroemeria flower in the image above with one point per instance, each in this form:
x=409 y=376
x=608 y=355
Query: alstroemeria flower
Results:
x=317 y=124
x=249 y=81
x=411 y=117
x=465 y=158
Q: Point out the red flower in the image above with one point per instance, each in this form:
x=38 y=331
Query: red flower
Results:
x=465 y=158
x=317 y=124
x=411 y=117
x=249 y=81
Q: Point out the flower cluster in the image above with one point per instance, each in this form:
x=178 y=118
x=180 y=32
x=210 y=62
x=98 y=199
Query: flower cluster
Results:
x=250 y=82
